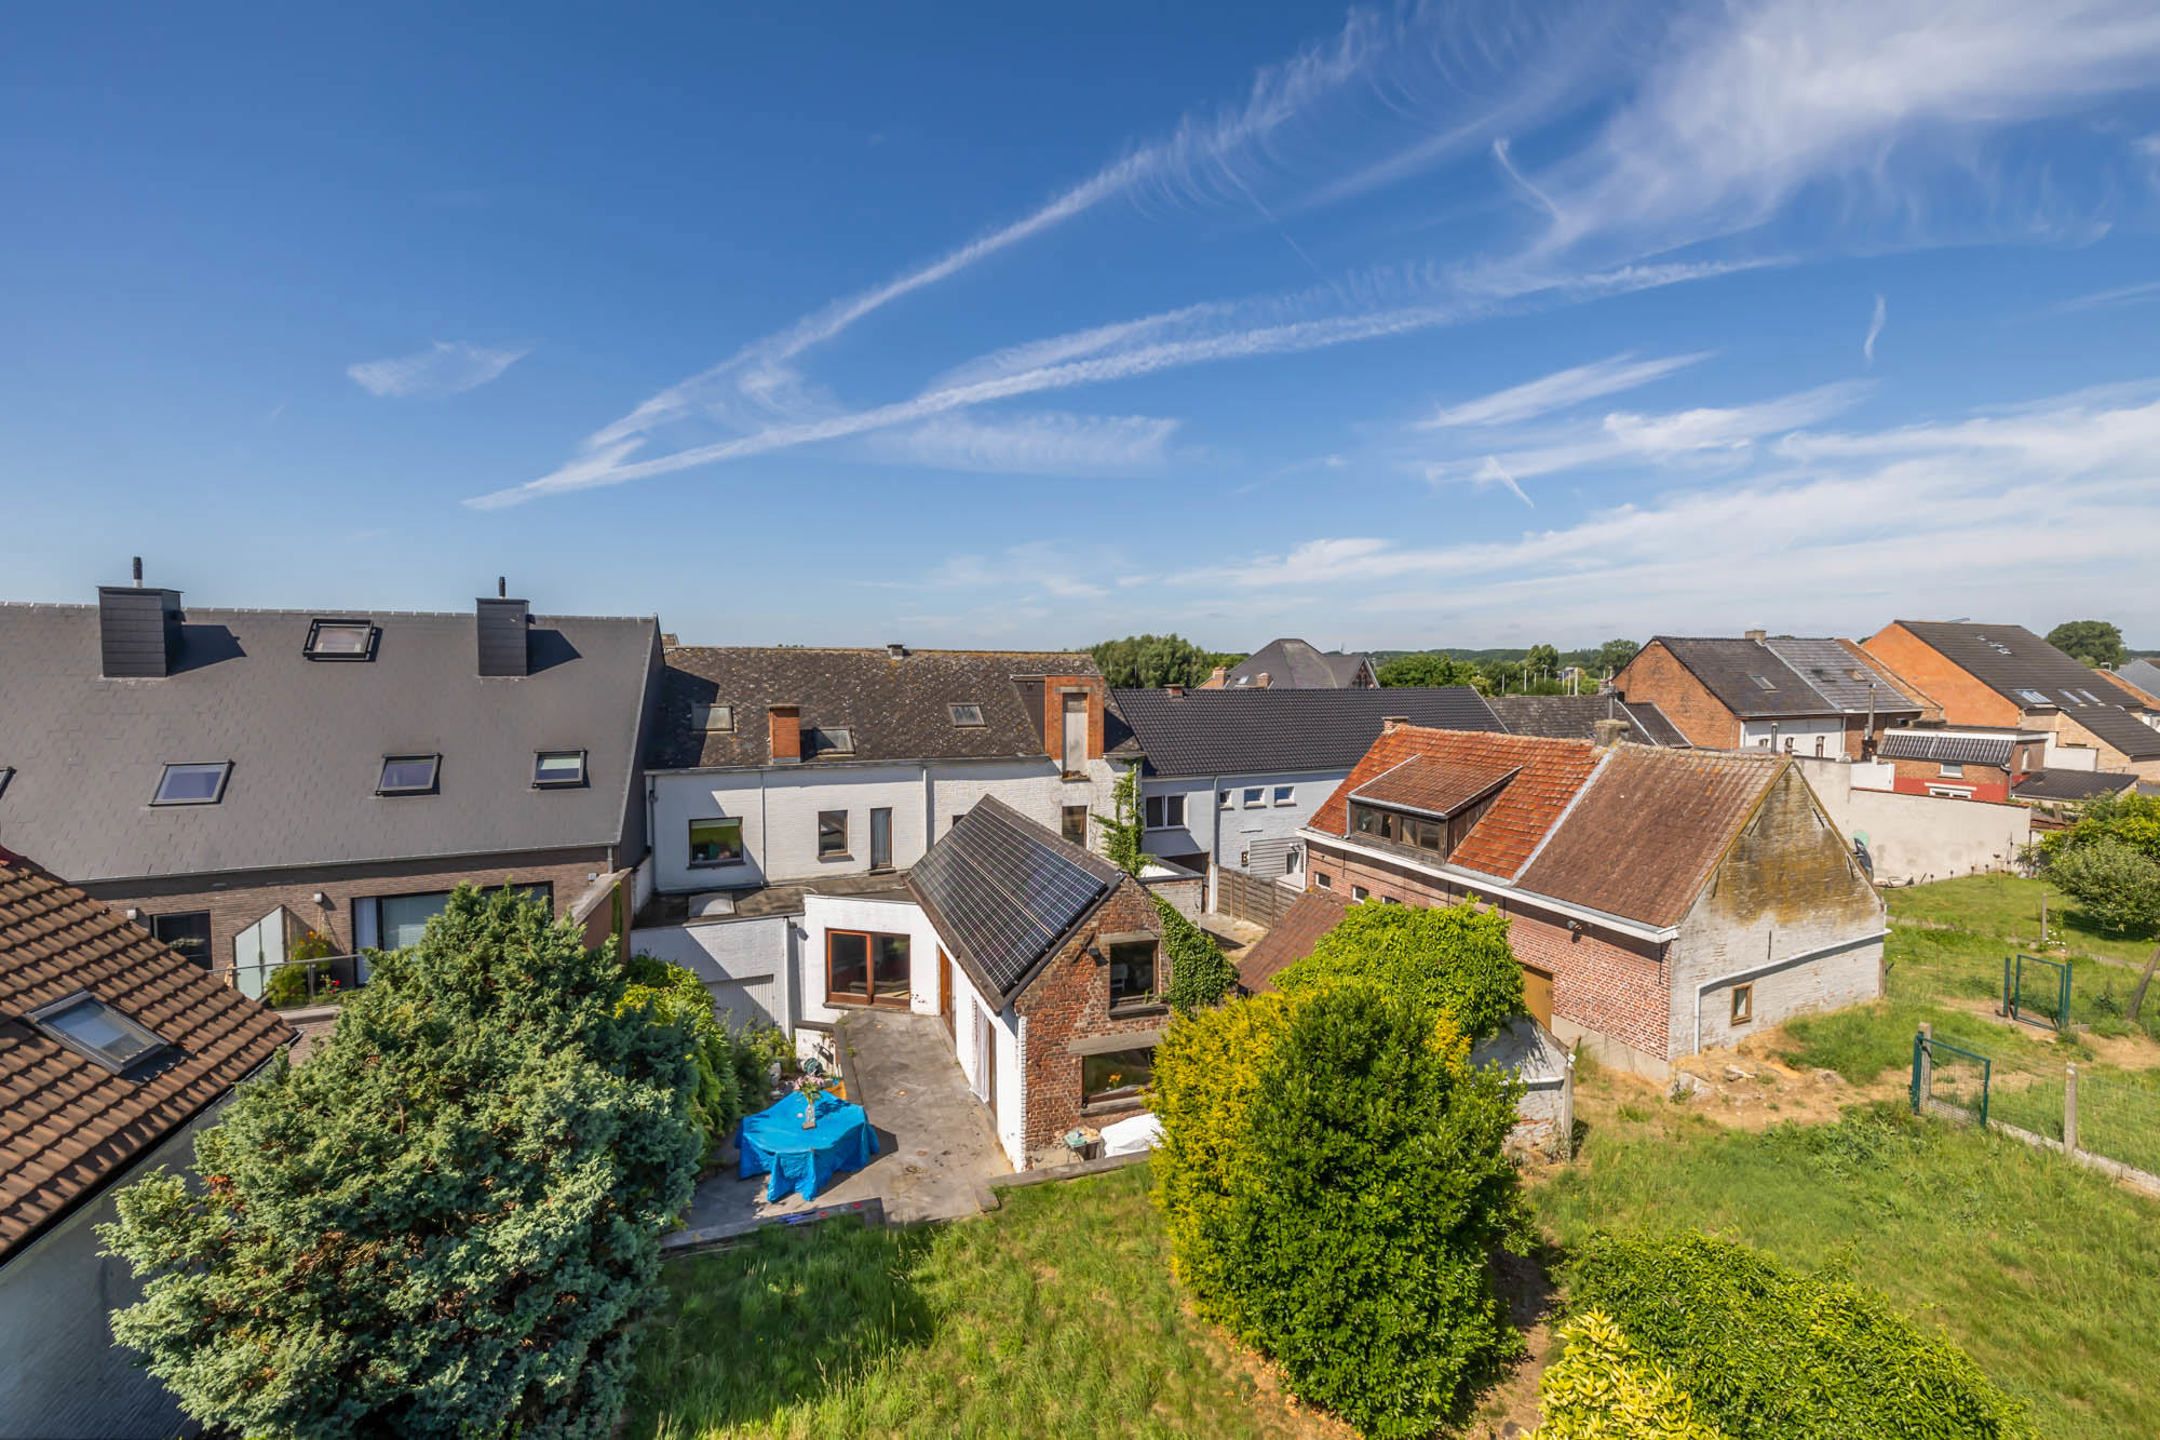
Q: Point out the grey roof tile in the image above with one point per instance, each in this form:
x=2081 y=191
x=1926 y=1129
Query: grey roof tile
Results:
x=1243 y=732
x=1292 y=664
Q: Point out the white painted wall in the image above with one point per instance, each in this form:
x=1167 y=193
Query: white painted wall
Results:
x=1224 y=834
x=1914 y=838
x=1765 y=734
x=746 y=962
x=1007 y=1117
x=2058 y=756
x=824 y=913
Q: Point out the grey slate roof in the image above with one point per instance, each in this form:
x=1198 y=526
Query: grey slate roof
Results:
x=2121 y=729
x=1249 y=732
x=1295 y=665
x=2009 y=659
x=2143 y=674
x=1950 y=749
x=1575 y=717
x=307 y=739
x=896 y=709
x=1658 y=725
x=1755 y=682
x=2071 y=784
x=1005 y=894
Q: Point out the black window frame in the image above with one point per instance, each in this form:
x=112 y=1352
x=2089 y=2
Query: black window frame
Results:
x=155 y=923
x=216 y=797
x=577 y=782
x=434 y=774
x=721 y=863
x=310 y=647
x=845 y=850
x=150 y=1043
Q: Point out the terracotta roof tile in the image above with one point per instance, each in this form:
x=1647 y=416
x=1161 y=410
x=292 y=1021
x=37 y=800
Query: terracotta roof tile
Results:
x=1436 y=784
x=68 y=1124
x=1292 y=938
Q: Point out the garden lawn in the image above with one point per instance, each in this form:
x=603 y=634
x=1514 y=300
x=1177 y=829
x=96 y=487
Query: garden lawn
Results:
x=2047 y=1274
x=1054 y=1316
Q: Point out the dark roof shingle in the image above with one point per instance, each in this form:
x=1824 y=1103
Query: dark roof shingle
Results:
x=1292 y=664
x=1754 y=681
x=1575 y=717
x=2015 y=663
x=2071 y=784
x=1246 y=732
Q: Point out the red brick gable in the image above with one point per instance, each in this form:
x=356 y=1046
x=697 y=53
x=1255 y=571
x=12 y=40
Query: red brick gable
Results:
x=1551 y=773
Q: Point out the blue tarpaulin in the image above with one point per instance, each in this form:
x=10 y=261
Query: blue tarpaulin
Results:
x=774 y=1140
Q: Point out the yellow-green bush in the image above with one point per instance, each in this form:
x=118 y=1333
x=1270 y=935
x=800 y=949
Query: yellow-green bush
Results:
x=1450 y=957
x=1603 y=1388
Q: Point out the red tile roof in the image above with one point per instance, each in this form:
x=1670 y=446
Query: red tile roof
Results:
x=68 y=1124
x=1438 y=785
x=1291 y=939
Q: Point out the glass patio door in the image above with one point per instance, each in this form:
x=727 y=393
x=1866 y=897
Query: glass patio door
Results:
x=257 y=952
x=862 y=968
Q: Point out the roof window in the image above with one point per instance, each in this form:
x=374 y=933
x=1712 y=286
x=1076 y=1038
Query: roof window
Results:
x=88 y=1026
x=341 y=640
x=836 y=740
x=1763 y=682
x=966 y=714
x=713 y=718
x=408 y=775
x=558 y=769
x=7 y=773
x=192 y=784
x=2034 y=697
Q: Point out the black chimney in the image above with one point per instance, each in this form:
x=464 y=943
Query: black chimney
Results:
x=138 y=630
x=502 y=627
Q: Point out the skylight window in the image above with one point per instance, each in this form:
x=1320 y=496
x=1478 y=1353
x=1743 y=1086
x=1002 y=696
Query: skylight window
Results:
x=838 y=740
x=1763 y=681
x=408 y=775
x=192 y=784
x=558 y=769
x=966 y=714
x=713 y=719
x=2034 y=697
x=341 y=640
x=88 y=1026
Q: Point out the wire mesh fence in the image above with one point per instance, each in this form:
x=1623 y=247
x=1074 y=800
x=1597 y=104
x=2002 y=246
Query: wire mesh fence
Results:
x=2094 y=1112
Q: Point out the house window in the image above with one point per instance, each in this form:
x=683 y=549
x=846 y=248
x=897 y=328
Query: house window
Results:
x=1820 y=741
x=832 y=835
x=865 y=968
x=1132 y=973
x=2034 y=697
x=1165 y=812
x=1359 y=892
x=1255 y=796
x=1115 y=1079
x=187 y=932
x=716 y=842
x=1953 y=770
x=88 y=1026
x=1324 y=880
x=558 y=769
x=1763 y=682
x=1073 y=823
x=1789 y=742
x=1743 y=1004
x=1227 y=799
x=1390 y=900
x=192 y=784
x=408 y=775
x=713 y=719
x=965 y=714
x=396 y=922
x=1285 y=794
x=340 y=640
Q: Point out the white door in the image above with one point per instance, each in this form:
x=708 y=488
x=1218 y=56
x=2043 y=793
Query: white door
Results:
x=1076 y=728
x=257 y=951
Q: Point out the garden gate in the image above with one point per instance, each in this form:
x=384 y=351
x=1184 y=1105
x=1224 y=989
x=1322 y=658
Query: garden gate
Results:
x=1949 y=1078
x=2043 y=1001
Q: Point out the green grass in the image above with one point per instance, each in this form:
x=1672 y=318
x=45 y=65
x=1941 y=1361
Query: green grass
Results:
x=2048 y=1275
x=1056 y=1315
x=2118 y=1111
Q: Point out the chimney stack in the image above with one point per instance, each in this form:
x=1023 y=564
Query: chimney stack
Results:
x=783 y=733
x=1757 y=636
x=1608 y=731
x=1388 y=723
x=502 y=625
x=1176 y=692
x=895 y=651
x=1217 y=677
x=138 y=630
x=1262 y=680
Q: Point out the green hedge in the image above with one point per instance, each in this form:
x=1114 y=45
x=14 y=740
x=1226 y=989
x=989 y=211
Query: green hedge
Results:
x=1450 y=957
x=672 y=995
x=1603 y=1388
x=1200 y=974
x=1770 y=1353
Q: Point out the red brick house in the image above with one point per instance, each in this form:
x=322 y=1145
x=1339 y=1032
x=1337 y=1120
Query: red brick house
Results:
x=1794 y=694
x=1663 y=901
x=1050 y=977
x=1962 y=763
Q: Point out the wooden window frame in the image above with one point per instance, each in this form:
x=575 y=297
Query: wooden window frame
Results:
x=846 y=850
x=1743 y=1004
x=870 y=998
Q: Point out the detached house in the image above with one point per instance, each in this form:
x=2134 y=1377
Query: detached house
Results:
x=2005 y=676
x=1801 y=696
x=232 y=780
x=1289 y=664
x=1662 y=901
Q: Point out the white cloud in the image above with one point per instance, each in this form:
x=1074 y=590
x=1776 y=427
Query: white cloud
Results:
x=1559 y=391
x=1050 y=443
x=1876 y=322
x=2107 y=299
x=447 y=367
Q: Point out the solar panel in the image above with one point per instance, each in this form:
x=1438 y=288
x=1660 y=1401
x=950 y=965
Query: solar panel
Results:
x=1006 y=892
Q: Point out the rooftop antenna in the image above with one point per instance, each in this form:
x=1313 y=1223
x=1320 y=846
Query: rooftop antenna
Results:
x=502 y=587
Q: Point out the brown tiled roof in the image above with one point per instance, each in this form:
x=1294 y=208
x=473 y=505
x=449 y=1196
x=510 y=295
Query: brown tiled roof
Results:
x=1309 y=917
x=1436 y=784
x=1552 y=771
x=1646 y=832
x=68 y=1124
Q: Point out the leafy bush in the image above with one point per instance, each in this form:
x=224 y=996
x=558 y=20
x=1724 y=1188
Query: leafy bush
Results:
x=1603 y=1388
x=1332 y=1176
x=1452 y=957
x=673 y=996
x=444 y=1222
x=287 y=987
x=759 y=1047
x=1784 y=1355
x=1200 y=974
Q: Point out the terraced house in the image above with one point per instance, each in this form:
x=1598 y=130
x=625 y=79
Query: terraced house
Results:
x=1798 y=695
x=1663 y=900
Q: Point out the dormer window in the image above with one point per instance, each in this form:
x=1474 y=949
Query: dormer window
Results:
x=713 y=718
x=408 y=775
x=341 y=640
x=192 y=784
x=966 y=715
x=836 y=740
x=558 y=769
x=88 y=1026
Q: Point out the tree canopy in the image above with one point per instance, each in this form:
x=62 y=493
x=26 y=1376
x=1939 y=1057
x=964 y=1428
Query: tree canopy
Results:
x=1613 y=656
x=1149 y=662
x=445 y=1221
x=2095 y=642
x=2109 y=862
x=1445 y=957
x=1427 y=670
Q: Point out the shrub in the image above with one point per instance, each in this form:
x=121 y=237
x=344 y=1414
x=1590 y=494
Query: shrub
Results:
x=444 y=1222
x=1332 y=1175
x=759 y=1047
x=1200 y=974
x=1784 y=1355
x=671 y=995
x=1603 y=1388
x=1451 y=957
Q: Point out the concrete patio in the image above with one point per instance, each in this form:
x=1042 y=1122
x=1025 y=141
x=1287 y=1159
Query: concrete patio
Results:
x=936 y=1153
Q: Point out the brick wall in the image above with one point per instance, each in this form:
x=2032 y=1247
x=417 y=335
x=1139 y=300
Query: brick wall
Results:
x=1070 y=1000
x=1657 y=676
x=1054 y=687
x=1987 y=782
x=1964 y=700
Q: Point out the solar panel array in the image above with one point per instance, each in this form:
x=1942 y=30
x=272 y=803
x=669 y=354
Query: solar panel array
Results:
x=1004 y=892
x=1948 y=749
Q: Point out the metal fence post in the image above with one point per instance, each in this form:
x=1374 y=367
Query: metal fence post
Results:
x=2070 y=1138
x=1923 y=1068
x=2009 y=1000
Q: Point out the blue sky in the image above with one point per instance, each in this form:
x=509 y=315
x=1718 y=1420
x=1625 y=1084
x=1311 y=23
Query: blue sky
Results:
x=993 y=324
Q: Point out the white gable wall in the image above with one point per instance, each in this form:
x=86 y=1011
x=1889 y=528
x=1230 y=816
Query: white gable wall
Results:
x=825 y=913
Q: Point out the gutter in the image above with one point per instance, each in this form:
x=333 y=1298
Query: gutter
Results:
x=1772 y=965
